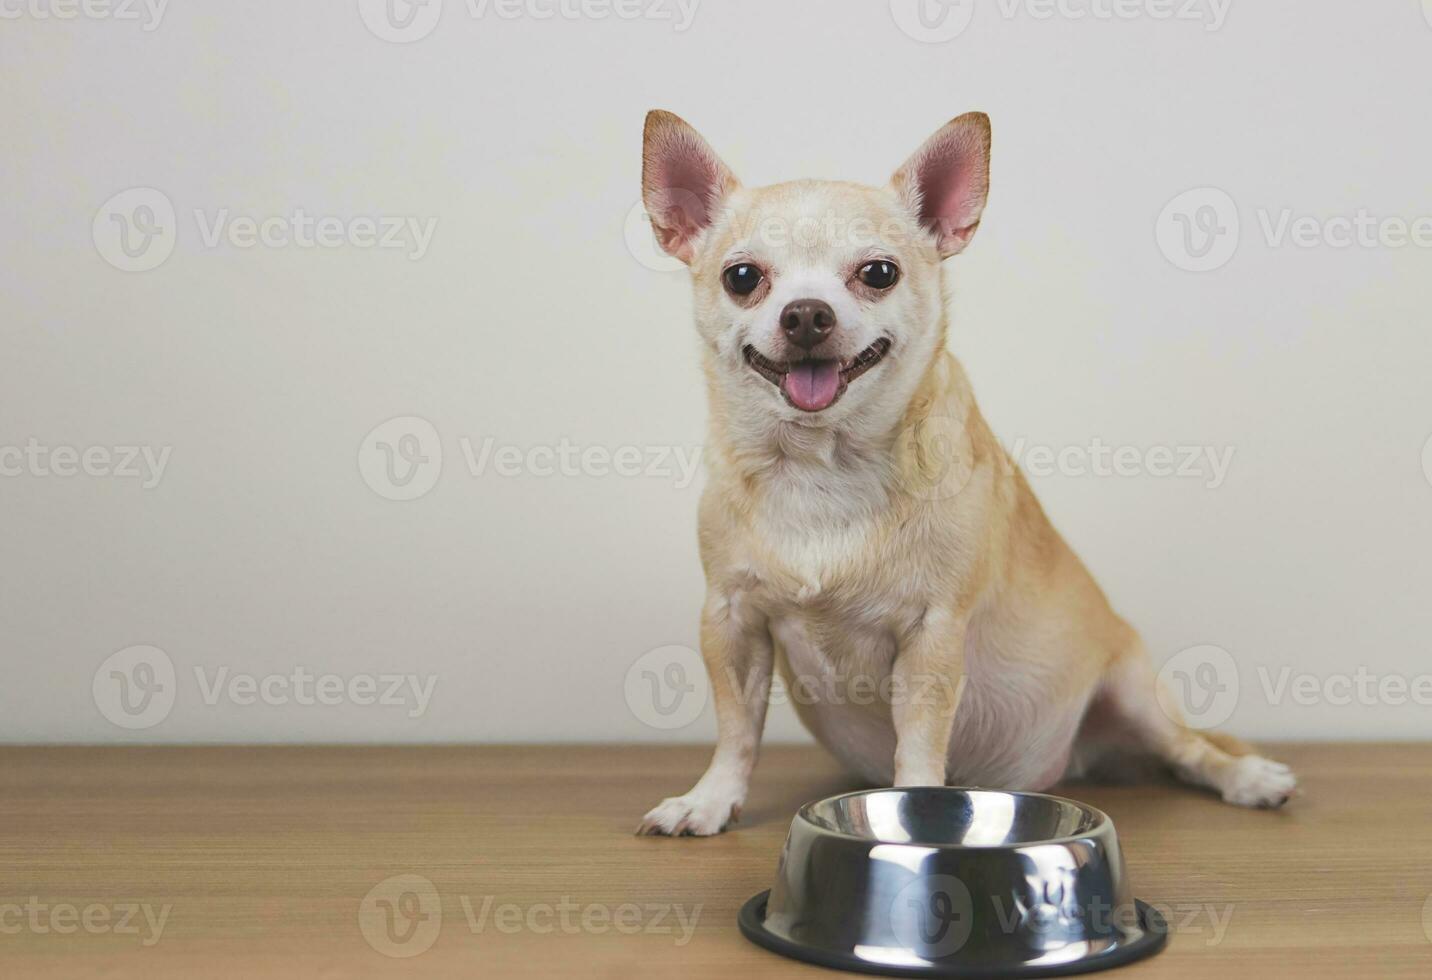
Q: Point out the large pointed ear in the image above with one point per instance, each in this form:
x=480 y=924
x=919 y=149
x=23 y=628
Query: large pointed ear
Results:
x=683 y=183
x=947 y=180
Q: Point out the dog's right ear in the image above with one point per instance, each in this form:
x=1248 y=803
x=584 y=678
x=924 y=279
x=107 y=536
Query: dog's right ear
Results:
x=683 y=183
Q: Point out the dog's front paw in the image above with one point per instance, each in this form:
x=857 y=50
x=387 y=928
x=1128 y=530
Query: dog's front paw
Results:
x=692 y=815
x=1260 y=782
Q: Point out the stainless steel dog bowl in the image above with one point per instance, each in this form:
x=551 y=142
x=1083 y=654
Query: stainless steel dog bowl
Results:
x=953 y=882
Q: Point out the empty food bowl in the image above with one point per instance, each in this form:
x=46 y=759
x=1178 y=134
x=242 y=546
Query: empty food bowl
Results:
x=938 y=881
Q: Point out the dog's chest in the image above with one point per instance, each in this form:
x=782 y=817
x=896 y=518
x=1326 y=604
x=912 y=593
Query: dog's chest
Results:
x=817 y=554
x=833 y=602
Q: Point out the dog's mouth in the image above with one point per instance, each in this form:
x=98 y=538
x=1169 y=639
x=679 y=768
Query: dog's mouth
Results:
x=814 y=384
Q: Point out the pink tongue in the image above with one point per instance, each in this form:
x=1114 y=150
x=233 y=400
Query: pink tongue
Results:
x=812 y=385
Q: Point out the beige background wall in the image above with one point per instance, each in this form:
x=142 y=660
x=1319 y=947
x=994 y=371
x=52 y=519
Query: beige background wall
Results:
x=519 y=593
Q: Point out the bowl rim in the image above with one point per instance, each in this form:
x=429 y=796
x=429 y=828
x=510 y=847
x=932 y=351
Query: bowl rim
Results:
x=1153 y=935
x=1102 y=820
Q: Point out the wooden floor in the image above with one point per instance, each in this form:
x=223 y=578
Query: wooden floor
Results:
x=316 y=862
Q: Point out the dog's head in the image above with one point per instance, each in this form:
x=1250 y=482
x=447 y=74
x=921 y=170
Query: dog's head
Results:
x=817 y=299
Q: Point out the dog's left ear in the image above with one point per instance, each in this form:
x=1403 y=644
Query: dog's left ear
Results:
x=946 y=182
x=683 y=183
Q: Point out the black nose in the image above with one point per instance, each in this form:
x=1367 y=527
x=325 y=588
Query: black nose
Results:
x=806 y=322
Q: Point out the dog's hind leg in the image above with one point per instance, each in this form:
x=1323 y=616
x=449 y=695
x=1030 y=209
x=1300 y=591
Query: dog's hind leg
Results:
x=1134 y=715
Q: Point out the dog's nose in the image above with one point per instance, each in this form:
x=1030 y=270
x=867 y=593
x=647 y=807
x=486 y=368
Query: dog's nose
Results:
x=807 y=322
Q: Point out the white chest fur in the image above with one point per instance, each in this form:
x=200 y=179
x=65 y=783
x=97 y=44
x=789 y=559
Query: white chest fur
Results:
x=835 y=589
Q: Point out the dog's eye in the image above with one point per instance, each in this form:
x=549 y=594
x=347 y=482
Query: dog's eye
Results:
x=879 y=275
x=743 y=279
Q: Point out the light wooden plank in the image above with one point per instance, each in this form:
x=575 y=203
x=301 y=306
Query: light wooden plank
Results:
x=265 y=854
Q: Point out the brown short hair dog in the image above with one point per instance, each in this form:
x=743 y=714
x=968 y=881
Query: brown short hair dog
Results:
x=862 y=527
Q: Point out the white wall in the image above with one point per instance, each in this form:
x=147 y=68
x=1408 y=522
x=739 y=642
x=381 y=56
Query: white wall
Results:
x=530 y=321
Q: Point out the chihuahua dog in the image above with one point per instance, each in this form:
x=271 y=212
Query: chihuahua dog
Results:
x=862 y=529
